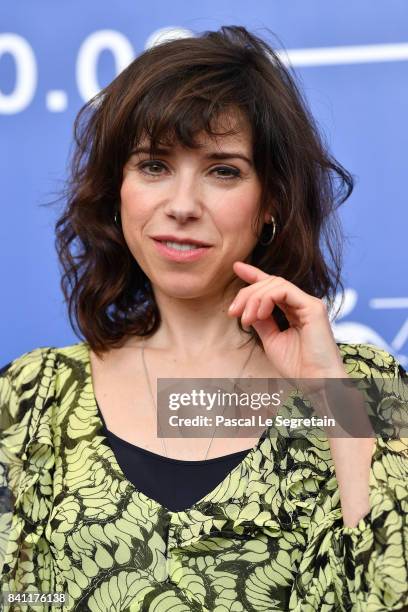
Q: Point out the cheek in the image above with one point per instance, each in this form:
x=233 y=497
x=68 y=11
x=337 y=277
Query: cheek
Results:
x=133 y=204
x=128 y=192
x=240 y=215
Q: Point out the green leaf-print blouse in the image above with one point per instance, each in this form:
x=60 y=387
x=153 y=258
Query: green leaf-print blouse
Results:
x=269 y=537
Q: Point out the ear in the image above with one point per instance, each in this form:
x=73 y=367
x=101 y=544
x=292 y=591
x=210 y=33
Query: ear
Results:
x=267 y=216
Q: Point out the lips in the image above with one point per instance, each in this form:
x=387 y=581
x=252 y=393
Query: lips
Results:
x=178 y=255
x=181 y=240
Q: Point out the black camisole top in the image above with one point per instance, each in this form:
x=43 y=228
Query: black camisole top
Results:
x=176 y=484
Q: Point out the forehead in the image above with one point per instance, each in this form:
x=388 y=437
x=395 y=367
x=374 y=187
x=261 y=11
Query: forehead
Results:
x=229 y=130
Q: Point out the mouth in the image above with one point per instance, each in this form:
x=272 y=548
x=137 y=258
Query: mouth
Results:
x=180 y=251
x=182 y=240
x=180 y=246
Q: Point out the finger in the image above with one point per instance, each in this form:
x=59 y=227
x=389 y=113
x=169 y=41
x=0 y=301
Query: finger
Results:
x=250 y=311
x=243 y=295
x=287 y=295
x=261 y=298
x=267 y=329
x=267 y=299
x=268 y=304
x=251 y=274
x=299 y=307
x=299 y=311
x=294 y=297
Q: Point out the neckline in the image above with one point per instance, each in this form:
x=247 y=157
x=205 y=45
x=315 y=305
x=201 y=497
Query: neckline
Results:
x=119 y=472
x=163 y=458
x=158 y=456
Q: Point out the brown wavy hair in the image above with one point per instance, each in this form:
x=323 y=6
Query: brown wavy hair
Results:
x=172 y=92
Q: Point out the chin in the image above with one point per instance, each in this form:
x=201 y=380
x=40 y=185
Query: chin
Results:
x=183 y=289
x=183 y=293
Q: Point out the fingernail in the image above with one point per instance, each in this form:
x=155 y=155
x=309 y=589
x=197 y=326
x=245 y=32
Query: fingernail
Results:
x=232 y=306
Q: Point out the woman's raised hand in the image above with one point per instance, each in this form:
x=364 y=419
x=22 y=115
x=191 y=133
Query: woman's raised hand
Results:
x=308 y=348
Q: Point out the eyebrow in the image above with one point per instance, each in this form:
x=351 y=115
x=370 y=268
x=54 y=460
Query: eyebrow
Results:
x=214 y=155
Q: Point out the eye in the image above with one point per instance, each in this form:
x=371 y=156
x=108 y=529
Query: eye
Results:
x=226 y=172
x=234 y=172
x=151 y=164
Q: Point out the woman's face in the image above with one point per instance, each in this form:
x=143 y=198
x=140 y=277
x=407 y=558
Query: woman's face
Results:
x=210 y=195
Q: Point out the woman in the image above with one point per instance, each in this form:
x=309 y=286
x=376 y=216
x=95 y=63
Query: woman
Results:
x=192 y=246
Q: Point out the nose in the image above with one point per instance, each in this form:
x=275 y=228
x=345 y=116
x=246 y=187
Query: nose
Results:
x=184 y=201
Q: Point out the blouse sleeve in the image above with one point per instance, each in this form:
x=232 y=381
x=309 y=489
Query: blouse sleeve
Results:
x=362 y=568
x=26 y=466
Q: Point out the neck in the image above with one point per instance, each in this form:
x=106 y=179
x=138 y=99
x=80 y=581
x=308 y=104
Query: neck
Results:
x=196 y=326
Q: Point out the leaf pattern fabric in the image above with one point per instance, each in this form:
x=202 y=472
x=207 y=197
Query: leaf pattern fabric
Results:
x=269 y=537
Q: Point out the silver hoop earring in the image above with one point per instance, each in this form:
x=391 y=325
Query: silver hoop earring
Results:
x=270 y=239
x=116 y=219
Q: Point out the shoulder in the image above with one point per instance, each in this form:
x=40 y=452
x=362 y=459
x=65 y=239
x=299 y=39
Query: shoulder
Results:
x=20 y=379
x=362 y=359
x=389 y=393
x=29 y=361
x=33 y=360
x=36 y=369
x=31 y=382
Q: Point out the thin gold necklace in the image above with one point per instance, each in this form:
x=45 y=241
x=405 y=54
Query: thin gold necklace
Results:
x=154 y=403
